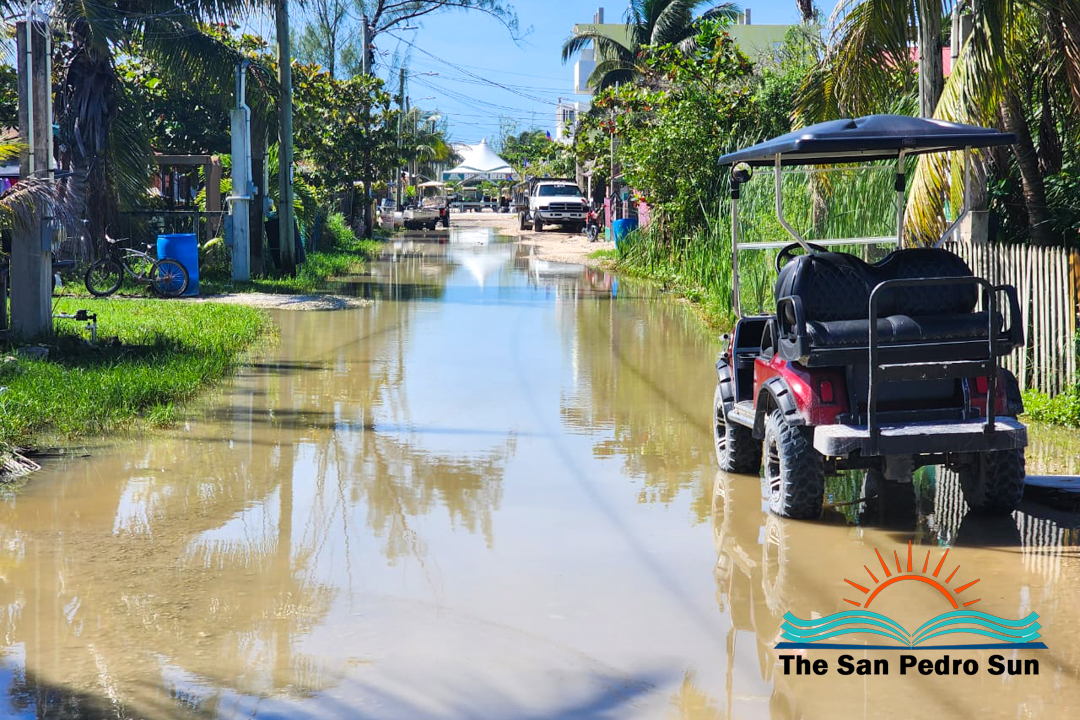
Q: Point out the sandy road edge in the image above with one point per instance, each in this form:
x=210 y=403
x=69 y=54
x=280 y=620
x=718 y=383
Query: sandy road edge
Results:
x=553 y=245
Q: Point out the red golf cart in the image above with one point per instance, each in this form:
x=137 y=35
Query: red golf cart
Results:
x=882 y=366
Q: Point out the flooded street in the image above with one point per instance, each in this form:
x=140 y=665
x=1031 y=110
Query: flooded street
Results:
x=491 y=494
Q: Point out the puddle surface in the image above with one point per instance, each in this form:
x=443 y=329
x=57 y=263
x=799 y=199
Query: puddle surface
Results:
x=490 y=495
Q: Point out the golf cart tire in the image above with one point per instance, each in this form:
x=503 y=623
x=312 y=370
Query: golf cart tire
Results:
x=538 y=224
x=993 y=483
x=737 y=451
x=794 y=470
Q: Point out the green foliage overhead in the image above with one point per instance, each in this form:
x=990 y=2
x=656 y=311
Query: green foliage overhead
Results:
x=532 y=152
x=648 y=23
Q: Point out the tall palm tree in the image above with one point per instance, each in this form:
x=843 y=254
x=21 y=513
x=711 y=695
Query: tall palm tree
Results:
x=1022 y=57
x=1010 y=43
x=100 y=135
x=853 y=78
x=648 y=22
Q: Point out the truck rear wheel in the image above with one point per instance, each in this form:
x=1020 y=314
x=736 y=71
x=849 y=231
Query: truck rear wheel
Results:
x=522 y=220
x=993 y=483
x=794 y=471
x=736 y=449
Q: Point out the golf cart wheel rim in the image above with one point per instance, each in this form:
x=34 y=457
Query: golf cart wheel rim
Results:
x=720 y=431
x=772 y=467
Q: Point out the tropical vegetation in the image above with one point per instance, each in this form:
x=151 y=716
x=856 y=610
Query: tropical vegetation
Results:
x=675 y=96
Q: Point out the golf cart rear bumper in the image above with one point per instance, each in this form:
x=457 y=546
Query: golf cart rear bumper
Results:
x=964 y=436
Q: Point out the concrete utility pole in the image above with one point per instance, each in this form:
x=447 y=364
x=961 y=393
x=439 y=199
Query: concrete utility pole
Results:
x=400 y=130
x=285 y=142
x=31 y=247
x=240 y=198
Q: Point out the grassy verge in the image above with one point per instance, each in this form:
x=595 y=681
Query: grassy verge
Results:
x=604 y=255
x=1062 y=409
x=150 y=355
x=347 y=255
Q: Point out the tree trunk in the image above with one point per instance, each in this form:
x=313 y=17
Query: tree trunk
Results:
x=1027 y=160
x=931 y=73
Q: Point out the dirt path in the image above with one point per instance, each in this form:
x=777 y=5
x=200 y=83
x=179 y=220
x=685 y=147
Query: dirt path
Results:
x=273 y=301
x=550 y=245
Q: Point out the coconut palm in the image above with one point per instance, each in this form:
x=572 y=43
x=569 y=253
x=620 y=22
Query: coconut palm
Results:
x=1016 y=50
x=648 y=22
x=101 y=138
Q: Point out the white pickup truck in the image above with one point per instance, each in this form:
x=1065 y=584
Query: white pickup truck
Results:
x=554 y=201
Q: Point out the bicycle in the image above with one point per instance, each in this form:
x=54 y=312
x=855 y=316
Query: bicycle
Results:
x=166 y=277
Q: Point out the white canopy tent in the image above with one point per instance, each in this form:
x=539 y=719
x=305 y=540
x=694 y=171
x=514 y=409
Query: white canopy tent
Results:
x=480 y=162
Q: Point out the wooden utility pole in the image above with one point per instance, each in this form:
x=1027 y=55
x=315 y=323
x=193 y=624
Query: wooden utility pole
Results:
x=400 y=129
x=365 y=44
x=285 y=143
x=31 y=247
x=976 y=226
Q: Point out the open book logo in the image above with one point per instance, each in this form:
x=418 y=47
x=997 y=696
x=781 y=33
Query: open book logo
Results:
x=1023 y=633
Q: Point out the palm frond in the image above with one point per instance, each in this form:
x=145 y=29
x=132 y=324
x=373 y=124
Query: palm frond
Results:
x=869 y=42
x=1069 y=12
x=674 y=22
x=60 y=200
x=605 y=46
x=613 y=72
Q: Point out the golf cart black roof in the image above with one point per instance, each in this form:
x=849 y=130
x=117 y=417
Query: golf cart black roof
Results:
x=874 y=137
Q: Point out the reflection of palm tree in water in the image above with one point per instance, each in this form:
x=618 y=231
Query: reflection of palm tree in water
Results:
x=137 y=576
x=644 y=371
x=129 y=595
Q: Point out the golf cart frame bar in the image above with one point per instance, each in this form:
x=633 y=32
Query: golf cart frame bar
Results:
x=871 y=138
x=879 y=138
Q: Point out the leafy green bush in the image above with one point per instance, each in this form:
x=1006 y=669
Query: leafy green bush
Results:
x=1061 y=409
x=337 y=233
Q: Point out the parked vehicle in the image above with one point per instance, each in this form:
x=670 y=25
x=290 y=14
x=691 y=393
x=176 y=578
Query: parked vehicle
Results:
x=556 y=201
x=884 y=366
x=432 y=207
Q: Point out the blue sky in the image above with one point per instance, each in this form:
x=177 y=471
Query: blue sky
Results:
x=470 y=52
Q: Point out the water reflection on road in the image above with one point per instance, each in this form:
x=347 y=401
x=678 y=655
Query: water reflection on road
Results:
x=489 y=495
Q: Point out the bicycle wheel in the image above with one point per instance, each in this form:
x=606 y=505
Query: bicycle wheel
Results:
x=103 y=277
x=168 y=278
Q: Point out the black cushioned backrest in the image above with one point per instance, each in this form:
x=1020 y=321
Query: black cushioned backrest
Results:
x=832 y=286
x=923 y=300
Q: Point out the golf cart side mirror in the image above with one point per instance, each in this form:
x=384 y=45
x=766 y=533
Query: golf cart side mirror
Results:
x=741 y=173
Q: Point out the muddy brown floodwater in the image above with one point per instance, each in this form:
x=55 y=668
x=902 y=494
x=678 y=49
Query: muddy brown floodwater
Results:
x=491 y=494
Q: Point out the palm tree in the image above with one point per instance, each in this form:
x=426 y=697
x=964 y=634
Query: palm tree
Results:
x=1018 y=51
x=1020 y=68
x=648 y=22
x=853 y=79
x=101 y=138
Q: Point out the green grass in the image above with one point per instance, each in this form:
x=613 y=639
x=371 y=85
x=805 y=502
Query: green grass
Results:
x=150 y=356
x=1062 y=409
x=604 y=255
x=348 y=255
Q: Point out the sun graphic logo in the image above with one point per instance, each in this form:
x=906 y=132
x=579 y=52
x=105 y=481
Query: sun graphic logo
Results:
x=1005 y=634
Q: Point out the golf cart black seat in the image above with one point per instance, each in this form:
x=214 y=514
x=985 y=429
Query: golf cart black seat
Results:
x=823 y=306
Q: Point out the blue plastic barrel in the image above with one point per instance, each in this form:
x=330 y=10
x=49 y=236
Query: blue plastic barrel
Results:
x=184 y=248
x=621 y=228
